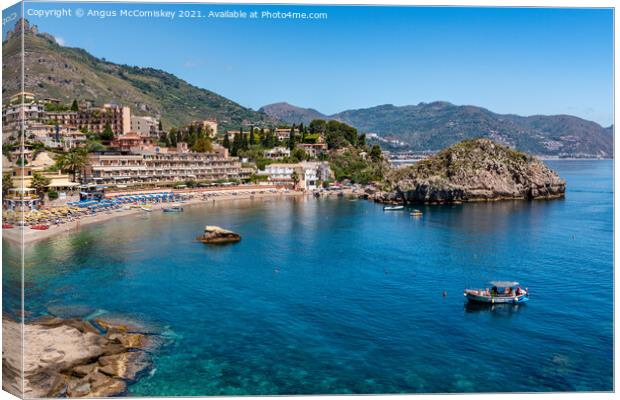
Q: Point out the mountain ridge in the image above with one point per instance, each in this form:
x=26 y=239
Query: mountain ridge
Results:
x=70 y=73
x=439 y=124
x=292 y=114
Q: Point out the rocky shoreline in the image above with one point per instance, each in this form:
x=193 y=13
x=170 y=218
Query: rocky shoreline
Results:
x=472 y=171
x=73 y=358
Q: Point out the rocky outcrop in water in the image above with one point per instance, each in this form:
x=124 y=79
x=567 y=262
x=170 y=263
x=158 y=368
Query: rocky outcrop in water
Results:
x=217 y=235
x=473 y=170
x=72 y=358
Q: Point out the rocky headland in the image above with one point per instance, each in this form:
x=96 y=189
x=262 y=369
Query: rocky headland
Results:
x=472 y=170
x=72 y=358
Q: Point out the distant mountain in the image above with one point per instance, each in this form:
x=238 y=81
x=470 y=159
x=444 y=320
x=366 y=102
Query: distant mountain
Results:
x=434 y=126
x=291 y=114
x=71 y=73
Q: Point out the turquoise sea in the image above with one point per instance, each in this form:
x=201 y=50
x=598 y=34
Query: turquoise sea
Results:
x=338 y=296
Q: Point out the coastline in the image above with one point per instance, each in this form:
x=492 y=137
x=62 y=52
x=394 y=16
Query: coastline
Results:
x=21 y=235
x=73 y=357
x=97 y=358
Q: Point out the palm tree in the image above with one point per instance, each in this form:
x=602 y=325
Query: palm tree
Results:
x=295 y=179
x=73 y=161
x=40 y=183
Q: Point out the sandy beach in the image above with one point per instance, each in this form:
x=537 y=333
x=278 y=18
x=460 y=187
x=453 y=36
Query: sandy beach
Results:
x=26 y=235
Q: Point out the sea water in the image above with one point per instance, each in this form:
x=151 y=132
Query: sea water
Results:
x=337 y=296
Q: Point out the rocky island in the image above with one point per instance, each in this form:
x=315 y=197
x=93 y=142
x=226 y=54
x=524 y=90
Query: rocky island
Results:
x=72 y=358
x=472 y=170
x=217 y=235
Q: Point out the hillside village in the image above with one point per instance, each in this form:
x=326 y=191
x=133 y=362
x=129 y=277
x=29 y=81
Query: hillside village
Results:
x=67 y=136
x=83 y=146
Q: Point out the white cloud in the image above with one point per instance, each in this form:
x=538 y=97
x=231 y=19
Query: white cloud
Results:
x=59 y=40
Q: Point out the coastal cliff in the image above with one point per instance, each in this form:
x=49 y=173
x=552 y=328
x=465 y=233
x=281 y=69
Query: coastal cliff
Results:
x=72 y=358
x=473 y=170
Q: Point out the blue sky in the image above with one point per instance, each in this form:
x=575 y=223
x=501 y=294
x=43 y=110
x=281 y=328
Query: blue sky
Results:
x=522 y=61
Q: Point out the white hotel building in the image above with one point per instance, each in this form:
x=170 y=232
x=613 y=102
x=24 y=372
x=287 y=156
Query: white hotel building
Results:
x=309 y=173
x=160 y=166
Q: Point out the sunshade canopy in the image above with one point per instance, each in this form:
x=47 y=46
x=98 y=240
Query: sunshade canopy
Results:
x=504 y=283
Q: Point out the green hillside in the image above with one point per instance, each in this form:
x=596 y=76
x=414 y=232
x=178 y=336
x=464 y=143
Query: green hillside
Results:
x=71 y=73
x=434 y=126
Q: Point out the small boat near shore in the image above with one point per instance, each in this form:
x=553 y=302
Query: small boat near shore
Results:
x=502 y=292
x=173 y=209
x=416 y=213
x=146 y=208
x=393 y=208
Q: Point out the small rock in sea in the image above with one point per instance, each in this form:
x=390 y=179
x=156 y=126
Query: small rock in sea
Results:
x=217 y=235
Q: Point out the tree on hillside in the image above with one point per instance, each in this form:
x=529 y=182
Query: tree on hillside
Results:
x=7 y=183
x=338 y=135
x=163 y=138
x=318 y=126
x=361 y=140
x=172 y=137
x=191 y=139
x=40 y=183
x=299 y=154
x=74 y=105
x=202 y=145
x=351 y=165
x=226 y=142
x=73 y=161
x=107 y=134
x=375 y=153
x=252 y=138
x=160 y=127
x=201 y=133
x=244 y=142
x=237 y=144
x=269 y=140
x=291 y=140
